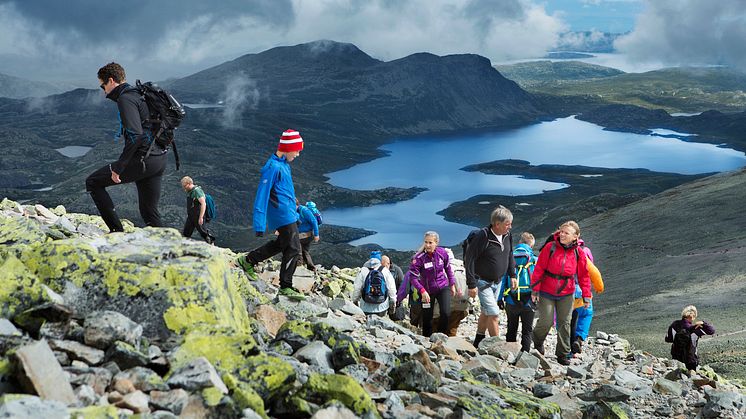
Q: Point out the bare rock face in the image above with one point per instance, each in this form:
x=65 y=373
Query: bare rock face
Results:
x=103 y=328
x=42 y=374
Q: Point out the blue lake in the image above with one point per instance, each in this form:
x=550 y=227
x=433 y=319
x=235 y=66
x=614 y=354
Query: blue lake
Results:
x=435 y=163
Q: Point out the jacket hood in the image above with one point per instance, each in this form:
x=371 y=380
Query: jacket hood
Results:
x=522 y=249
x=372 y=263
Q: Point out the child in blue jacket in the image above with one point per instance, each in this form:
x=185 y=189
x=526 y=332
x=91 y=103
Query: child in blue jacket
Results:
x=517 y=304
x=275 y=210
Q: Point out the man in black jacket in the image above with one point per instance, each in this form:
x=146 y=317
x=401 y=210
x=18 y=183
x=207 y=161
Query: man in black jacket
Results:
x=489 y=256
x=131 y=166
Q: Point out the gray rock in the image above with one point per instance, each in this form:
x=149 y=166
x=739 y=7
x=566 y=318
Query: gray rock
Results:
x=7 y=328
x=103 y=328
x=339 y=323
x=482 y=364
x=25 y=406
x=357 y=371
x=197 y=375
x=523 y=374
x=601 y=335
x=526 y=360
x=315 y=353
x=136 y=401
x=607 y=393
x=86 y=395
x=413 y=376
x=66 y=226
x=570 y=406
x=303 y=279
x=78 y=351
x=334 y=412
x=407 y=350
x=173 y=400
x=439 y=338
x=542 y=390
x=97 y=378
x=250 y=414
x=437 y=400
x=299 y=309
x=162 y=414
x=630 y=380
x=143 y=379
x=576 y=371
x=42 y=211
x=43 y=373
x=126 y=356
x=385 y=323
x=460 y=345
x=667 y=387
x=723 y=404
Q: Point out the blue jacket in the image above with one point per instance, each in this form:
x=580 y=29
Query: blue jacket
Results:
x=274 y=205
x=307 y=220
x=521 y=253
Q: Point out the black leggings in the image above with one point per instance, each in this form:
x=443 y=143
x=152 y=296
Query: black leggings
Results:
x=444 y=305
x=525 y=314
x=289 y=244
x=148 y=184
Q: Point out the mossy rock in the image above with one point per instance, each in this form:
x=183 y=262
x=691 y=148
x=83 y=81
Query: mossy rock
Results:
x=321 y=388
x=244 y=395
x=297 y=333
x=224 y=348
x=95 y=412
x=345 y=353
x=20 y=230
x=271 y=377
x=491 y=399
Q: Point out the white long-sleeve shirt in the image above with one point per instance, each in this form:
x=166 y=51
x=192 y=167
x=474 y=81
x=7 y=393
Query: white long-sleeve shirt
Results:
x=357 y=292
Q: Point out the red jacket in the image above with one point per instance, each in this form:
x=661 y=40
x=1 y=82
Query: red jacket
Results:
x=556 y=275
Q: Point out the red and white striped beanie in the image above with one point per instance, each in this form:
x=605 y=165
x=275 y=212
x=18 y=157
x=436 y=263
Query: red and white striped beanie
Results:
x=290 y=141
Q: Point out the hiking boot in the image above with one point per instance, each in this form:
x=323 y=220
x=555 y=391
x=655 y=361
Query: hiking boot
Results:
x=246 y=265
x=539 y=349
x=563 y=360
x=292 y=293
x=577 y=346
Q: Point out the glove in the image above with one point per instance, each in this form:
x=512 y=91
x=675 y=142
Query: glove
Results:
x=260 y=234
x=501 y=304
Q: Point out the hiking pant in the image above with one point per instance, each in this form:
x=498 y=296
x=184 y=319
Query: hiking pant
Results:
x=444 y=302
x=454 y=321
x=289 y=244
x=546 y=309
x=581 y=322
x=305 y=244
x=192 y=222
x=148 y=184
x=525 y=314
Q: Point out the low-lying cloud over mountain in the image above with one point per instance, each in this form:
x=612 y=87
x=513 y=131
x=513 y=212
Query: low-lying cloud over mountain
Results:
x=689 y=32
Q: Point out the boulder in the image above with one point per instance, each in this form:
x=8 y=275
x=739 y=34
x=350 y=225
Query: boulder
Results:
x=42 y=373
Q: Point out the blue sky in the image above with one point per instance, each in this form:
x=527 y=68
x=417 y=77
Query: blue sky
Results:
x=614 y=16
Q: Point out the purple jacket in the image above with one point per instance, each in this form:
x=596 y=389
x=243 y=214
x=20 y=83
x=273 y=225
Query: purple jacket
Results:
x=431 y=273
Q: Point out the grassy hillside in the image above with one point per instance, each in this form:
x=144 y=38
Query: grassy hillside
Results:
x=673 y=89
x=545 y=75
x=683 y=246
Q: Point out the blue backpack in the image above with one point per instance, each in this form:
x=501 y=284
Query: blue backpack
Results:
x=374 y=288
x=312 y=206
x=524 y=267
x=211 y=212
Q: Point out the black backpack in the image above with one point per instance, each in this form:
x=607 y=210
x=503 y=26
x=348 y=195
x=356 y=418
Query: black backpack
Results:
x=470 y=238
x=166 y=114
x=374 y=288
x=682 y=348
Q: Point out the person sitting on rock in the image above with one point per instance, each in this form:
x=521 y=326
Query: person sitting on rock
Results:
x=374 y=289
x=432 y=275
x=684 y=335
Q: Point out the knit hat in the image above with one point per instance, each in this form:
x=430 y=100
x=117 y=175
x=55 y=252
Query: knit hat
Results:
x=376 y=254
x=290 y=141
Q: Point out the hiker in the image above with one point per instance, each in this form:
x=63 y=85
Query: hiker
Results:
x=395 y=270
x=684 y=335
x=487 y=258
x=517 y=303
x=431 y=274
x=553 y=287
x=131 y=166
x=274 y=209
x=374 y=289
x=459 y=302
x=580 y=325
x=414 y=300
x=196 y=211
x=308 y=231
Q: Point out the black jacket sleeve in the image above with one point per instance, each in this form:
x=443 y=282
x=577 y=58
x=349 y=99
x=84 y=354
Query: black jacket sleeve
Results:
x=511 y=259
x=132 y=132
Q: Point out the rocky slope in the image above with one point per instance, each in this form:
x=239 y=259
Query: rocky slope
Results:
x=146 y=322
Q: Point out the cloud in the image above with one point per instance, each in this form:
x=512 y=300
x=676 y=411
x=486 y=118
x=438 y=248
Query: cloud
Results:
x=155 y=40
x=688 y=32
x=240 y=94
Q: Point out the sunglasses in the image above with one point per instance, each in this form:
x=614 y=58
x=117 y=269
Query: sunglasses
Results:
x=102 y=85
